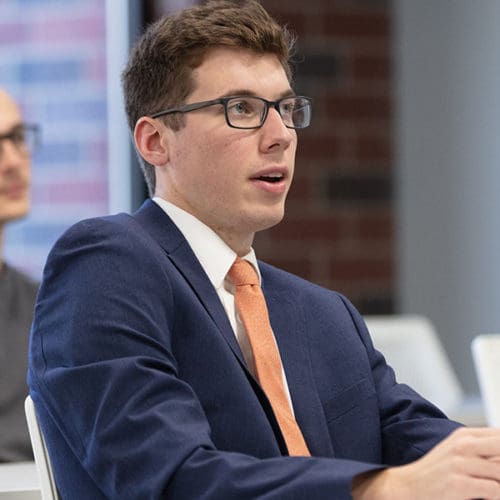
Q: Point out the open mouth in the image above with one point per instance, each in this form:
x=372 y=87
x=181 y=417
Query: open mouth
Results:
x=272 y=178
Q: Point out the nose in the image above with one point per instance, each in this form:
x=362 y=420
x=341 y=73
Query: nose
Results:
x=275 y=134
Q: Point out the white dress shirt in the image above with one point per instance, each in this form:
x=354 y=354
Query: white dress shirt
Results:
x=216 y=258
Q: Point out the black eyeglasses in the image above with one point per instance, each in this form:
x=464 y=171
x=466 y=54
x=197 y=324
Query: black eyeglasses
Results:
x=24 y=137
x=247 y=112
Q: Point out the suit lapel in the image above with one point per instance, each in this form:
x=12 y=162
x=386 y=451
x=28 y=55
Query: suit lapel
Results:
x=286 y=320
x=290 y=331
x=159 y=225
x=189 y=266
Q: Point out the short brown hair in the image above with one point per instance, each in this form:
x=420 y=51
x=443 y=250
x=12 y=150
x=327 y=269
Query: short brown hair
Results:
x=158 y=73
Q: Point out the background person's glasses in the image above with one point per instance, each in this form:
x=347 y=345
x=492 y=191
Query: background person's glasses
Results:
x=247 y=112
x=24 y=137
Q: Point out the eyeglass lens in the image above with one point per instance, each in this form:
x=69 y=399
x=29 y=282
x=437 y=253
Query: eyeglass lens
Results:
x=250 y=112
x=22 y=137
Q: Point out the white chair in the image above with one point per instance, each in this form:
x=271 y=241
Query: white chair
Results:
x=42 y=459
x=412 y=348
x=486 y=356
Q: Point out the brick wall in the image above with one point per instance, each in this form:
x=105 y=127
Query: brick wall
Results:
x=338 y=230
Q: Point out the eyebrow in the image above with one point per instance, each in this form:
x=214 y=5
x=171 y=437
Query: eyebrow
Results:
x=13 y=128
x=251 y=93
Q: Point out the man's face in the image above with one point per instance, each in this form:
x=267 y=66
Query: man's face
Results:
x=14 y=166
x=220 y=174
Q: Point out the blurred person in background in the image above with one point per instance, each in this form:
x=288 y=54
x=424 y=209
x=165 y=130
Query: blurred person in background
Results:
x=17 y=291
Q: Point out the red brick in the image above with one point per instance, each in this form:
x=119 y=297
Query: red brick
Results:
x=362 y=270
x=322 y=228
x=299 y=266
x=364 y=230
x=296 y=22
x=358 y=107
x=376 y=227
x=277 y=7
x=357 y=24
x=301 y=188
x=318 y=146
x=372 y=148
x=371 y=66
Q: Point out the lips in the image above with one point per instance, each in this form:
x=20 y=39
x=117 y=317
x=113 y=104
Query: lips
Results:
x=14 y=190
x=272 y=180
x=273 y=175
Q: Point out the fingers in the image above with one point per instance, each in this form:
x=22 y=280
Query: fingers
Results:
x=472 y=458
x=478 y=431
x=474 y=442
x=465 y=465
x=481 y=468
x=477 y=488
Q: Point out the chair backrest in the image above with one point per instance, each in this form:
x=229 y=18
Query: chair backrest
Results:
x=412 y=348
x=486 y=356
x=42 y=460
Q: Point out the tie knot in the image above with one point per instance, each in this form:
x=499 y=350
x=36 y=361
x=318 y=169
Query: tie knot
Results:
x=243 y=273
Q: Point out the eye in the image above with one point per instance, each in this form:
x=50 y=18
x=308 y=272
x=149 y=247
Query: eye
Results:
x=289 y=107
x=18 y=136
x=241 y=107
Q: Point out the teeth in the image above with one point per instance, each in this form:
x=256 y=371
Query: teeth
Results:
x=273 y=176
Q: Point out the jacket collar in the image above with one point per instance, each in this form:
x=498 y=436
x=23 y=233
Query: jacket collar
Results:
x=159 y=225
x=286 y=320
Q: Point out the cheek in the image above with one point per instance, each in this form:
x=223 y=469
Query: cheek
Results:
x=27 y=171
x=24 y=169
x=212 y=166
x=219 y=159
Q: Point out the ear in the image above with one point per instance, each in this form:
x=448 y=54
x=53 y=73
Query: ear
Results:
x=151 y=141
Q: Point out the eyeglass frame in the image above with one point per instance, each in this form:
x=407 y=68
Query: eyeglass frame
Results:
x=30 y=146
x=224 y=100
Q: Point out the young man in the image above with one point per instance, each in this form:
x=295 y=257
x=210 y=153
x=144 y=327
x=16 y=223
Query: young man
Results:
x=17 y=291
x=145 y=369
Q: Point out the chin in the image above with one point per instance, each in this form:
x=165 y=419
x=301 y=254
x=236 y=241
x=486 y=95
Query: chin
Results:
x=14 y=213
x=270 y=220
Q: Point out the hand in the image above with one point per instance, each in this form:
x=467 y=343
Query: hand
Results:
x=464 y=466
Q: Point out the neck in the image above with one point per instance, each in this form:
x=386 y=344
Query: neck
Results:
x=240 y=245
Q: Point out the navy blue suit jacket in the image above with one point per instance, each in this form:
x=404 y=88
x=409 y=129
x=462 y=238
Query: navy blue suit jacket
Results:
x=142 y=391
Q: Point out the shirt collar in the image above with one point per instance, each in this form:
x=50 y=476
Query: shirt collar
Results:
x=215 y=256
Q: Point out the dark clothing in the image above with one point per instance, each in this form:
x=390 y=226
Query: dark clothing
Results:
x=17 y=299
x=142 y=390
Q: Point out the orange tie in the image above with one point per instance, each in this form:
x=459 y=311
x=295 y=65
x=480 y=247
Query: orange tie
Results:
x=252 y=310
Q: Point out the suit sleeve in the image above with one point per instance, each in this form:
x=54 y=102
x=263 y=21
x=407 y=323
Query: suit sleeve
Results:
x=410 y=424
